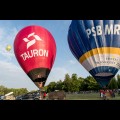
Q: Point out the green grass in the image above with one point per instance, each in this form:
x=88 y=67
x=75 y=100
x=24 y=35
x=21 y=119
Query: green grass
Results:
x=88 y=96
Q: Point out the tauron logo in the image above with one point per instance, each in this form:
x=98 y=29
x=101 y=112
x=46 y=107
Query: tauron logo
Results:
x=32 y=42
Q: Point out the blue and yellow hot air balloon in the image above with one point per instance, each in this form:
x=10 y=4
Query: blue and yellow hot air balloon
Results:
x=96 y=45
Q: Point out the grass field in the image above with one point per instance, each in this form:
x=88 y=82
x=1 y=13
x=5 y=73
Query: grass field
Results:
x=89 y=96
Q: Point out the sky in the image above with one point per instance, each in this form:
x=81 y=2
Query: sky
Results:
x=13 y=76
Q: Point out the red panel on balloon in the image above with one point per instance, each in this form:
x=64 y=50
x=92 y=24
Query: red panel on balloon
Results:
x=35 y=47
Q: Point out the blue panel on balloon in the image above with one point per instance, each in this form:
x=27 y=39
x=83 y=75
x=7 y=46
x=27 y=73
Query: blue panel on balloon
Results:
x=96 y=45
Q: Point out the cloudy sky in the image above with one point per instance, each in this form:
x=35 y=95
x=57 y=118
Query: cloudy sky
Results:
x=12 y=75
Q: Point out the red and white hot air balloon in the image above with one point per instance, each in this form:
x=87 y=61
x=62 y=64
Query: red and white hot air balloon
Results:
x=35 y=51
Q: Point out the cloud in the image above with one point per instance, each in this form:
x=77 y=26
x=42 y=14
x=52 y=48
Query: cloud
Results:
x=6 y=39
x=56 y=74
x=1 y=33
x=72 y=62
x=12 y=76
x=6 y=55
x=7 y=34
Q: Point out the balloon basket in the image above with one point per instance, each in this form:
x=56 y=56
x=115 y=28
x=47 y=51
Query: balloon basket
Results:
x=41 y=94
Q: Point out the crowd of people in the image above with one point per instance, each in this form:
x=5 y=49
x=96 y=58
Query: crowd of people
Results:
x=107 y=94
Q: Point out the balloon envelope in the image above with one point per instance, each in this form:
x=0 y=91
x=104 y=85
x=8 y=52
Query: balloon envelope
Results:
x=96 y=45
x=35 y=50
x=8 y=47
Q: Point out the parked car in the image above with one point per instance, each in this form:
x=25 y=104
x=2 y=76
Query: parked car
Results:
x=29 y=96
x=25 y=97
x=2 y=97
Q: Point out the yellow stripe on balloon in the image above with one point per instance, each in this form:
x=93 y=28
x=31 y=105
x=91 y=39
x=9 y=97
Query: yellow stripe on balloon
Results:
x=103 y=50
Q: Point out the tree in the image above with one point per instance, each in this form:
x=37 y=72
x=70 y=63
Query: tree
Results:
x=80 y=83
x=16 y=92
x=51 y=87
x=59 y=85
x=113 y=84
x=2 y=90
x=74 y=83
x=118 y=81
x=92 y=85
x=85 y=84
x=67 y=77
x=67 y=83
x=74 y=77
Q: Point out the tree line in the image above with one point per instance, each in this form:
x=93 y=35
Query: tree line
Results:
x=74 y=83
x=16 y=92
x=71 y=83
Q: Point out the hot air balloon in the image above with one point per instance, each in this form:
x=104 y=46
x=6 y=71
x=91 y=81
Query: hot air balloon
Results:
x=35 y=51
x=96 y=45
x=8 y=47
